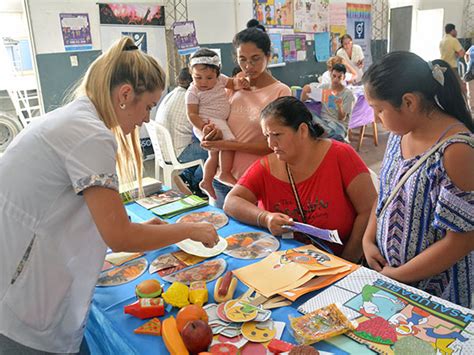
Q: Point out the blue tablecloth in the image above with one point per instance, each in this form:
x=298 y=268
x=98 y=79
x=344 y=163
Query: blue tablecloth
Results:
x=110 y=331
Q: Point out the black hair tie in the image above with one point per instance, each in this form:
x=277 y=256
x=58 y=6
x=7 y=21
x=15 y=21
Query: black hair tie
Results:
x=130 y=48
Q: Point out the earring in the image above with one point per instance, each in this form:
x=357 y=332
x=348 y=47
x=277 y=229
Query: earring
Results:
x=122 y=106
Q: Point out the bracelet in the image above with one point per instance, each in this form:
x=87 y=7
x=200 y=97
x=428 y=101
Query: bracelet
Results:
x=258 y=218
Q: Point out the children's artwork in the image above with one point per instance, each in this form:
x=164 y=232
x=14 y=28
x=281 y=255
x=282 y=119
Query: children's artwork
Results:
x=337 y=18
x=207 y=271
x=76 y=31
x=120 y=258
x=274 y=13
x=198 y=249
x=217 y=219
x=394 y=317
x=311 y=15
x=294 y=47
x=132 y=14
x=277 y=54
x=160 y=199
x=123 y=274
x=259 y=332
x=251 y=245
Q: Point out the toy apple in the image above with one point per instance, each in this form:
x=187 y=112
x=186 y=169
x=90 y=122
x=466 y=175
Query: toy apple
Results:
x=197 y=336
x=190 y=313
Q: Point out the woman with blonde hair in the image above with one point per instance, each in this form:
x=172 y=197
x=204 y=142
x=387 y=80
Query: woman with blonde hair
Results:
x=60 y=208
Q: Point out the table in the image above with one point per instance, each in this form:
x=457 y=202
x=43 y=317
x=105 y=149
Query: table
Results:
x=110 y=331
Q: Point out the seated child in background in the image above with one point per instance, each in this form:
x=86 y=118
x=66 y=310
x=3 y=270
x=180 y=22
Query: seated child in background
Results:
x=337 y=102
x=208 y=107
x=351 y=74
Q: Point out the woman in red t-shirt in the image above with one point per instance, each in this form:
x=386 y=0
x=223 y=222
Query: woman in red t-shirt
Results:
x=333 y=184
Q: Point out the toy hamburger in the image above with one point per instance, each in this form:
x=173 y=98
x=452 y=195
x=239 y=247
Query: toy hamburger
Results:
x=148 y=289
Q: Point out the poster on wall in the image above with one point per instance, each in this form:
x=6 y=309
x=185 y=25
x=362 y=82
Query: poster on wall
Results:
x=337 y=24
x=359 y=26
x=274 y=13
x=294 y=47
x=132 y=14
x=184 y=34
x=311 y=15
x=139 y=38
x=321 y=46
x=76 y=31
x=276 y=58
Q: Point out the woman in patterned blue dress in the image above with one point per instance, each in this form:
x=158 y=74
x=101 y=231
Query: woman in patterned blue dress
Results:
x=425 y=234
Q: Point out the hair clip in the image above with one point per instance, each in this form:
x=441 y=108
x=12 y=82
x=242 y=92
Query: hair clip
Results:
x=438 y=72
x=130 y=48
x=214 y=60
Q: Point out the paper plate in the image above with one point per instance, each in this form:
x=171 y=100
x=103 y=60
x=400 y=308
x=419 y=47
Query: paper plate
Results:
x=123 y=274
x=217 y=219
x=197 y=248
x=207 y=271
x=251 y=245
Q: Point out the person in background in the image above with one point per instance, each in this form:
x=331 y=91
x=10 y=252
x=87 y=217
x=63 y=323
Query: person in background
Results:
x=423 y=233
x=451 y=49
x=337 y=106
x=353 y=55
x=172 y=114
x=469 y=57
x=329 y=177
x=253 y=51
x=60 y=208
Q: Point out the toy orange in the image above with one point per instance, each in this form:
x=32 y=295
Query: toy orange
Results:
x=190 y=313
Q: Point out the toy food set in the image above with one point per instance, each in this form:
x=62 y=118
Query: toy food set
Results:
x=207 y=271
x=217 y=219
x=187 y=259
x=146 y=308
x=198 y=293
x=251 y=245
x=198 y=249
x=123 y=274
x=152 y=327
x=225 y=287
x=118 y=259
x=160 y=199
x=321 y=324
x=177 y=295
x=189 y=332
x=277 y=346
x=167 y=264
x=148 y=289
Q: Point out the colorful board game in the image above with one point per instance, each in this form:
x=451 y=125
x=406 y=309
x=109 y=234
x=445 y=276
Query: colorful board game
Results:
x=395 y=318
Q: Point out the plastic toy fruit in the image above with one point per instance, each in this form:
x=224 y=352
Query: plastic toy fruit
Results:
x=197 y=336
x=173 y=341
x=148 y=289
x=190 y=313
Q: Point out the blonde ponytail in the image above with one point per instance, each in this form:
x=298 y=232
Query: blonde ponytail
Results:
x=123 y=63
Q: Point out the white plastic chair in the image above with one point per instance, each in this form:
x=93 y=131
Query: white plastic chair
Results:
x=166 y=162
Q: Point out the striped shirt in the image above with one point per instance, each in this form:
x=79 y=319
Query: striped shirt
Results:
x=424 y=209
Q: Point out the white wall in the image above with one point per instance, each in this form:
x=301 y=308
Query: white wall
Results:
x=12 y=20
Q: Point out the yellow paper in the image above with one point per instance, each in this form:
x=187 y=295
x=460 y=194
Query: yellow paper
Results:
x=121 y=258
x=269 y=274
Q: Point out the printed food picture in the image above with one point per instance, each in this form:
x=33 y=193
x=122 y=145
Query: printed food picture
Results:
x=208 y=271
x=217 y=219
x=251 y=245
x=123 y=274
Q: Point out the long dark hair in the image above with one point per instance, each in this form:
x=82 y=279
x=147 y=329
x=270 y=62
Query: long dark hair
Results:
x=398 y=73
x=291 y=112
x=341 y=41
